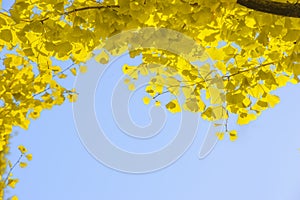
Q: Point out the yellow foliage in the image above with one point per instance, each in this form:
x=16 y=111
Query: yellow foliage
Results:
x=12 y=182
x=252 y=53
x=14 y=198
x=22 y=149
x=83 y=69
x=173 y=106
x=29 y=157
x=102 y=57
x=146 y=100
x=23 y=164
x=73 y=71
x=131 y=87
x=157 y=103
x=233 y=135
x=245 y=118
x=220 y=135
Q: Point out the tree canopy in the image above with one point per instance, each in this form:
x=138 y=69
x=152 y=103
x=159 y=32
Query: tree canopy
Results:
x=254 y=45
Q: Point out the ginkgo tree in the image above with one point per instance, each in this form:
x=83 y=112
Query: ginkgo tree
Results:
x=254 y=45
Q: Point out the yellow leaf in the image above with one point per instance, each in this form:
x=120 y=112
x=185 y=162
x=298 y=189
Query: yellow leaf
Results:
x=245 y=118
x=6 y=35
x=16 y=60
x=216 y=96
x=173 y=106
x=14 y=198
x=55 y=69
x=296 y=69
x=233 y=135
x=250 y=22
x=126 y=81
x=150 y=90
x=12 y=182
x=220 y=135
x=187 y=91
x=143 y=70
x=59 y=6
x=22 y=149
x=146 y=100
x=207 y=114
x=246 y=102
x=36 y=112
x=157 y=103
x=130 y=71
x=291 y=35
x=9 y=164
x=272 y=100
x=63 y=49
x=131 y=87
x=23 y=164
x=282 y=80
x=73 y=71
x=221 y=66
x=229 y=50
x=102 y=57
x=29 y=157
x=62 y=76
x=72 y=97
x=219 y=112
x=194 y=105
x=83 y=69
x=256 y=91
x=216 y=125
x=216 y=54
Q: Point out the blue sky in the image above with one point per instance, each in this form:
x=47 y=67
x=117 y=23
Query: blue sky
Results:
x=263 y=163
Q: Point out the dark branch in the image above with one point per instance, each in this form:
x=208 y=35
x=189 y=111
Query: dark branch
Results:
x=247 y=70
x=272 y=7
x=90 y=8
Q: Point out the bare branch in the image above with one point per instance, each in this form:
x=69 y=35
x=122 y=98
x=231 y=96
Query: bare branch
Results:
x=91 y=8
x=277 y=8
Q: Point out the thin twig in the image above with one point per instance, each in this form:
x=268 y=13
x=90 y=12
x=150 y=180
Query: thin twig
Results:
x=90 y=8
x=76 y=10
x=11 y=169
x=247 y=70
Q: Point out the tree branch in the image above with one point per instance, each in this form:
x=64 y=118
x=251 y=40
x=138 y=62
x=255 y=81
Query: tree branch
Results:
x=272 y=7
x=90 y=8
x=76 y=10
x=247 y=70
x=12 y=168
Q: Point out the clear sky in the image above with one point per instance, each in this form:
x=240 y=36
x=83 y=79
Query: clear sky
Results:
x=263 y=163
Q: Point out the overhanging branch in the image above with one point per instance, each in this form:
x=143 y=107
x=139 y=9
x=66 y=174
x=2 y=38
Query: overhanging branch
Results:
x=272 y=7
